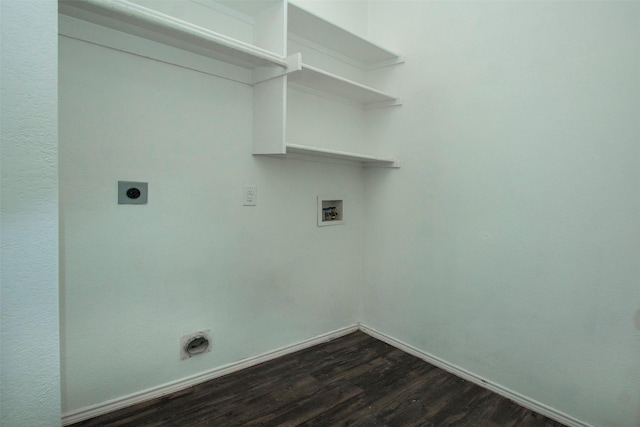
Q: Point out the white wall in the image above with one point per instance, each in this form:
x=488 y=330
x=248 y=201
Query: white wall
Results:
x=136 y=278
x=509 y=241
x=29 y=330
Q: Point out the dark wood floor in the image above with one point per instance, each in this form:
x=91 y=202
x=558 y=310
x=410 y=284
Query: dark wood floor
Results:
x=355 y=380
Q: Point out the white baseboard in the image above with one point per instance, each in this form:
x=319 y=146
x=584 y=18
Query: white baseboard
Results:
x=155 y=392
x=521 y=400
x=172 y=387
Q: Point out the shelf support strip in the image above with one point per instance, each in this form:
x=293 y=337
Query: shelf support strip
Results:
x=264 y=73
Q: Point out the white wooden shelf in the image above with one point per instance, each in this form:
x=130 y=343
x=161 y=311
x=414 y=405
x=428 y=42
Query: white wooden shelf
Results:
x=293 y=150
x=147 y=31
x=304 y=25
x=131 y=18
x=344 y=49
x=326 y=82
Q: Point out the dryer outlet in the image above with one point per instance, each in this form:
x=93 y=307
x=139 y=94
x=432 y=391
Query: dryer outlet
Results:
x=195 y=344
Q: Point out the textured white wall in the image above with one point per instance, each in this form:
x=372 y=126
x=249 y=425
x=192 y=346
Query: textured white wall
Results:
x=509 y=241
x=136 y=278
x=29 y=330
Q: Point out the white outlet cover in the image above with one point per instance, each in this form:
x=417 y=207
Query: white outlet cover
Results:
x=249 y=195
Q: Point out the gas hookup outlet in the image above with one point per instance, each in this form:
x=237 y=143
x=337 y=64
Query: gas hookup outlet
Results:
x=195 y=344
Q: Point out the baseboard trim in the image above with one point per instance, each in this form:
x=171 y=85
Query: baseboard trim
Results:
x=524 y=401
x=172 y=387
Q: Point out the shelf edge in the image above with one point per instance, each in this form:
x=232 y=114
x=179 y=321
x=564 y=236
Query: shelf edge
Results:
x=384 y=97
x=365 y=159
x=131 y=14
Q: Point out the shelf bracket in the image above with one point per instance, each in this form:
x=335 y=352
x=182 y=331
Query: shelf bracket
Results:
x=394 y=165
x=382 y=64
x=264 y=73
x=383 y=104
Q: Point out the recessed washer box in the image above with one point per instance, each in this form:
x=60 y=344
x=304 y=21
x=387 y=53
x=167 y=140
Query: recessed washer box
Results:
x=331 y=210
x=132 y=192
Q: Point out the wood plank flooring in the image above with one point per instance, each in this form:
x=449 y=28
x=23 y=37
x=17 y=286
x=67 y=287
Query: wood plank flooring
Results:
x=355 y=380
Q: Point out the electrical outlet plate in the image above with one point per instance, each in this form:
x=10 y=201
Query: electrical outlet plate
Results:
x=250 y=195
x=331 y=210
x=132 y=192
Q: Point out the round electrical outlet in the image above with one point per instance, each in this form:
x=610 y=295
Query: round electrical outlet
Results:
x=133 y=193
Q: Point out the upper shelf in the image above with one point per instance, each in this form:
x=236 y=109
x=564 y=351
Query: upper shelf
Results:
x=364 y=159
x=131 y=18
x=315 y=78
x=320 y=32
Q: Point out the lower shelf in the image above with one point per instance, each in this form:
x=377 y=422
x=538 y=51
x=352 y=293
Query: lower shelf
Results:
x=301 y=151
